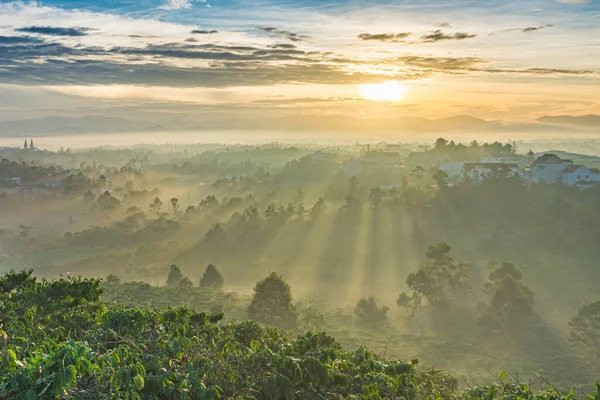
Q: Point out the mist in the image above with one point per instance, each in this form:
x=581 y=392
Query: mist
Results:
x=345 y=225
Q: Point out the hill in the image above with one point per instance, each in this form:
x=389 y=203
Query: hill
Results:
x=584 y=121
x=309 y=122
x=74 y=346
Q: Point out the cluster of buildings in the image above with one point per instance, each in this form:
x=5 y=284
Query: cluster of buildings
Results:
x=548 y=168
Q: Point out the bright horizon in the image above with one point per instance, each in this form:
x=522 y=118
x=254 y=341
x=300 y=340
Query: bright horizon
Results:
x=165 y=60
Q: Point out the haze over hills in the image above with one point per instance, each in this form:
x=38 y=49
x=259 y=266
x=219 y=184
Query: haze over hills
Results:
x=333 y=122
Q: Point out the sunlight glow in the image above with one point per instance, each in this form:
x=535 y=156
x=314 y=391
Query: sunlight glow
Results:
x=385 y=91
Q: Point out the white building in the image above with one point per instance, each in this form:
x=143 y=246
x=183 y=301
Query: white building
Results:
x=477 y=172
x=550 y=168
x=13 y=181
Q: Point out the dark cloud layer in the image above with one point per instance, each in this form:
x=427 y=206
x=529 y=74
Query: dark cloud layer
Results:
x=204 y=32
x=438 y=35
x=34 y=61
x=384 y=37
x=19 y=40
x=54 y=31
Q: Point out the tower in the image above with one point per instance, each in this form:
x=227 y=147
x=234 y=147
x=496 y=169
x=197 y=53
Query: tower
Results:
x=25 y=145
x=31 y=146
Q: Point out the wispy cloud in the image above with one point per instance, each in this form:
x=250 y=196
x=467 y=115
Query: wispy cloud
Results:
x=171 y=5
x=438 y=35
x=384 y=37
x=275 y=32
x=535 y=28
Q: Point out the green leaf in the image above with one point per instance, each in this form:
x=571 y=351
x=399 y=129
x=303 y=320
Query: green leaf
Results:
x=31 y=395
x=138 y=382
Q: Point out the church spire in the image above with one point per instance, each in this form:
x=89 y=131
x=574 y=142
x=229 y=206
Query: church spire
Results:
x=25 y=145
x=31 y=146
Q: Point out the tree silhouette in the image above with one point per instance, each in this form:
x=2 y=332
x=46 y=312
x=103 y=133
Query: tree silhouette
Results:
x=585 y=331
x=441 y=178
x=369 y=312
x=175 y=206
x=156 y=205
x=433 y=282
x=212 y=278
x=175 y=276
x=186 y=283
x=272 y=303
x=25 y=232
x=509 y=299
x=113 y=280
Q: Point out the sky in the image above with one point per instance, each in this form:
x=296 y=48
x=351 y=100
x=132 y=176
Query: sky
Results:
x=195 y=60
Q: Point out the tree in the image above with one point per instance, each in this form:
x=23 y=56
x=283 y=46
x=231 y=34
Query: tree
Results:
x=186 y=283
x=509 y=299
x=216 y=234
x=175 y=206
x=585 y=331
x=133 y=210
x=212 y=278
x=89 y=197
x=376 y=196
x=107 y=202
x=175 y=276
x=317 y=208
x=156 y=205
x=25 y=232
x=433 y=282
x=441 y=143
x=113 y=280
x=441 y=178
x=272 y=303
x=369 y=312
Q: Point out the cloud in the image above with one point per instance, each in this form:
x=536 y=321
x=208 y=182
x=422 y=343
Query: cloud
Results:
x=573 y=1
x=536 y=28
x=287 y=46
x=204 y=32
x=441 y=63
x=443 y=25
x=19 y=40
x=54 y=31
x=172 y=5
x=384 y=37
x=438 y=35
x=475 y=64
x=275 y=32
x=307 y=100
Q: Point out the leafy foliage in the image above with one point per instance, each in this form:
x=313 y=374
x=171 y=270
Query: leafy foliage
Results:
x=59 y=341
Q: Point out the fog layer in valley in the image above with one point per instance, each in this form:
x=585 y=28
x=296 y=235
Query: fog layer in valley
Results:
x=396 y=246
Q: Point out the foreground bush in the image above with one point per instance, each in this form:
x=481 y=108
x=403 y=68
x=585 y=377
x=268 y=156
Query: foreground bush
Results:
x=59 y=341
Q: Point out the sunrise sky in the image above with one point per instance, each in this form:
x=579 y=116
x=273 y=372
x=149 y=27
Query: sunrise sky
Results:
x=188 y=59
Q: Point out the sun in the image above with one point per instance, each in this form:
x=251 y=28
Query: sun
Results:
x=385 y=91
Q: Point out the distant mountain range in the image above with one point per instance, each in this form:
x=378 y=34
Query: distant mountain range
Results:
x=460 y=123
